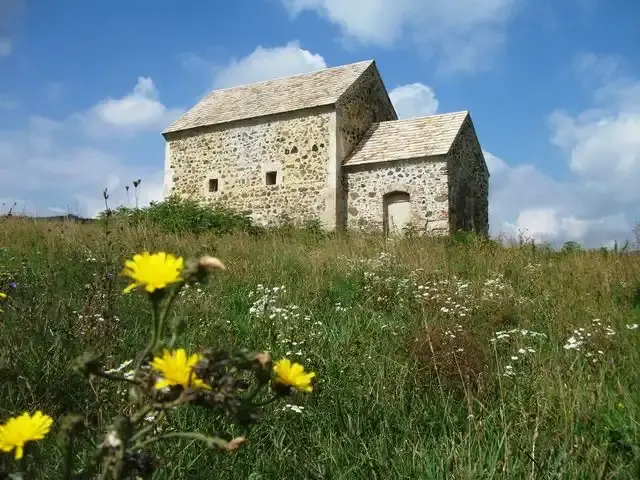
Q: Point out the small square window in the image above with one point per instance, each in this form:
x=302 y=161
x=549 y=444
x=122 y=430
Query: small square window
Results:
x=271 y=178
x=213 y=185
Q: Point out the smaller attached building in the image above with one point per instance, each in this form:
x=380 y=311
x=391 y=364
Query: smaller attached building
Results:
x=428 y=173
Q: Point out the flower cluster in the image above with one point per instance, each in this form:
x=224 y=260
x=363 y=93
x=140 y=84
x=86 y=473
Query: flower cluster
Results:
x=164 y=377
x=384 y=261
x=516 y=347
x=286 y=322
x=592 y=340
x=266 y=305
x=453 y=297
x=387 y=290
x=496 y=289
x=192 y=293
x=339 y=308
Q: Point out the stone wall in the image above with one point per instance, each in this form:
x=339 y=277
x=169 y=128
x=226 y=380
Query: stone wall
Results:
x=363 y=104
x=468 y=183
x=298 y=146
x=425 y=180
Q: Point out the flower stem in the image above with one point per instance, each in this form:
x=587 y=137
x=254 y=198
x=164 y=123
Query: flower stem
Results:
x=155 y=335
x=211 y=442
x=158 y=316
x=144 y=430
x=68 y=458
x=141 y=414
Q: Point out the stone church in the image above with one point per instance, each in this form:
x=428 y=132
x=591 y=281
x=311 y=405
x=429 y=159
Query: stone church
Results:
x=328 y=145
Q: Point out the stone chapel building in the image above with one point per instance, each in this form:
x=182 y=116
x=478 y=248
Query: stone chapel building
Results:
x=328 y=145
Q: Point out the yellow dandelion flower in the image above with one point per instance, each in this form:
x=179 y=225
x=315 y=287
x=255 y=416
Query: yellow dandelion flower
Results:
x=2 y=296
x=293 y=375
x=20 y=430
x=153 y=271
x=176 y=369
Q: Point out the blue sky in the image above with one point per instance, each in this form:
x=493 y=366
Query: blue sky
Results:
x=553 y=88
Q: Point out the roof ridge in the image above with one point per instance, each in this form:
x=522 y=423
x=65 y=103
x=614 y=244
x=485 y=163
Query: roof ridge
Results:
x=326 y=69
x=424 y=117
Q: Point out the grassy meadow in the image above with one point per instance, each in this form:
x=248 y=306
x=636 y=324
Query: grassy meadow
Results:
x=434 y=359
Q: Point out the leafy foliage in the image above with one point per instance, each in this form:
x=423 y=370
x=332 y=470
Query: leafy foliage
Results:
x=177 y=215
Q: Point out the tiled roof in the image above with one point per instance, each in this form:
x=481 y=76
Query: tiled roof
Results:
x=410 y=138
x=322 y=87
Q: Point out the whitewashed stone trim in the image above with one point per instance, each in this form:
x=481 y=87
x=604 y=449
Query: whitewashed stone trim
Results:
x=273 y=167
x=210 y=176
x=168 y=171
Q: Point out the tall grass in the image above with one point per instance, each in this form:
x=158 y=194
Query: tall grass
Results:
x=435 y=359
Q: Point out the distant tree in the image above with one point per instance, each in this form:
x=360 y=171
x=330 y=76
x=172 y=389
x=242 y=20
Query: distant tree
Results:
x=571 y=246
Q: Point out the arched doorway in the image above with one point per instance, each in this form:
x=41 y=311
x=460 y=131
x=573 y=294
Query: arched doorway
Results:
x=396 y=212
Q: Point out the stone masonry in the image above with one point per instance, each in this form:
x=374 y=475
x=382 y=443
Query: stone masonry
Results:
x=328 y=145
x=425 y=181
x=468 y=183
x=293 y=145
x=364 y=104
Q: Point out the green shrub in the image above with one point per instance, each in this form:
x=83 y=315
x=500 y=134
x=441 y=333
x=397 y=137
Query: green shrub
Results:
x=570 y=247
x=176 y=215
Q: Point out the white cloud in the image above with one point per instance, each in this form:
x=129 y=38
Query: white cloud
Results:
x=268 y=63
x=604 y=152
x=601 y=201
x=150 y=189
x=522 y=199
x=603 y=142
x=6 y=46
x=549 y=225
x=58 y=163
x=139 y=110
x=47 y=163
x=461 y=32
x=414 y=100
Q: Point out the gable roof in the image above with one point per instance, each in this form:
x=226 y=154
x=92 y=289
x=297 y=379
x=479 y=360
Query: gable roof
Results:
x=296 y=92
x=409 y=138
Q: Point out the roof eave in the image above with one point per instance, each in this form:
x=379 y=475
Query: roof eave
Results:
x=431 y=158
x=169 y=130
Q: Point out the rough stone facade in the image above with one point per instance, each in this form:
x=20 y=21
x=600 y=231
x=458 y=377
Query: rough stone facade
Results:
x=424 y=179
x=344 y=159
x=468 y=179
x=296 y=146
x=363 y=104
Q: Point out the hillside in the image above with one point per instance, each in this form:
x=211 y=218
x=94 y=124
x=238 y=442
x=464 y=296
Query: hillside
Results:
x=434 y=359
